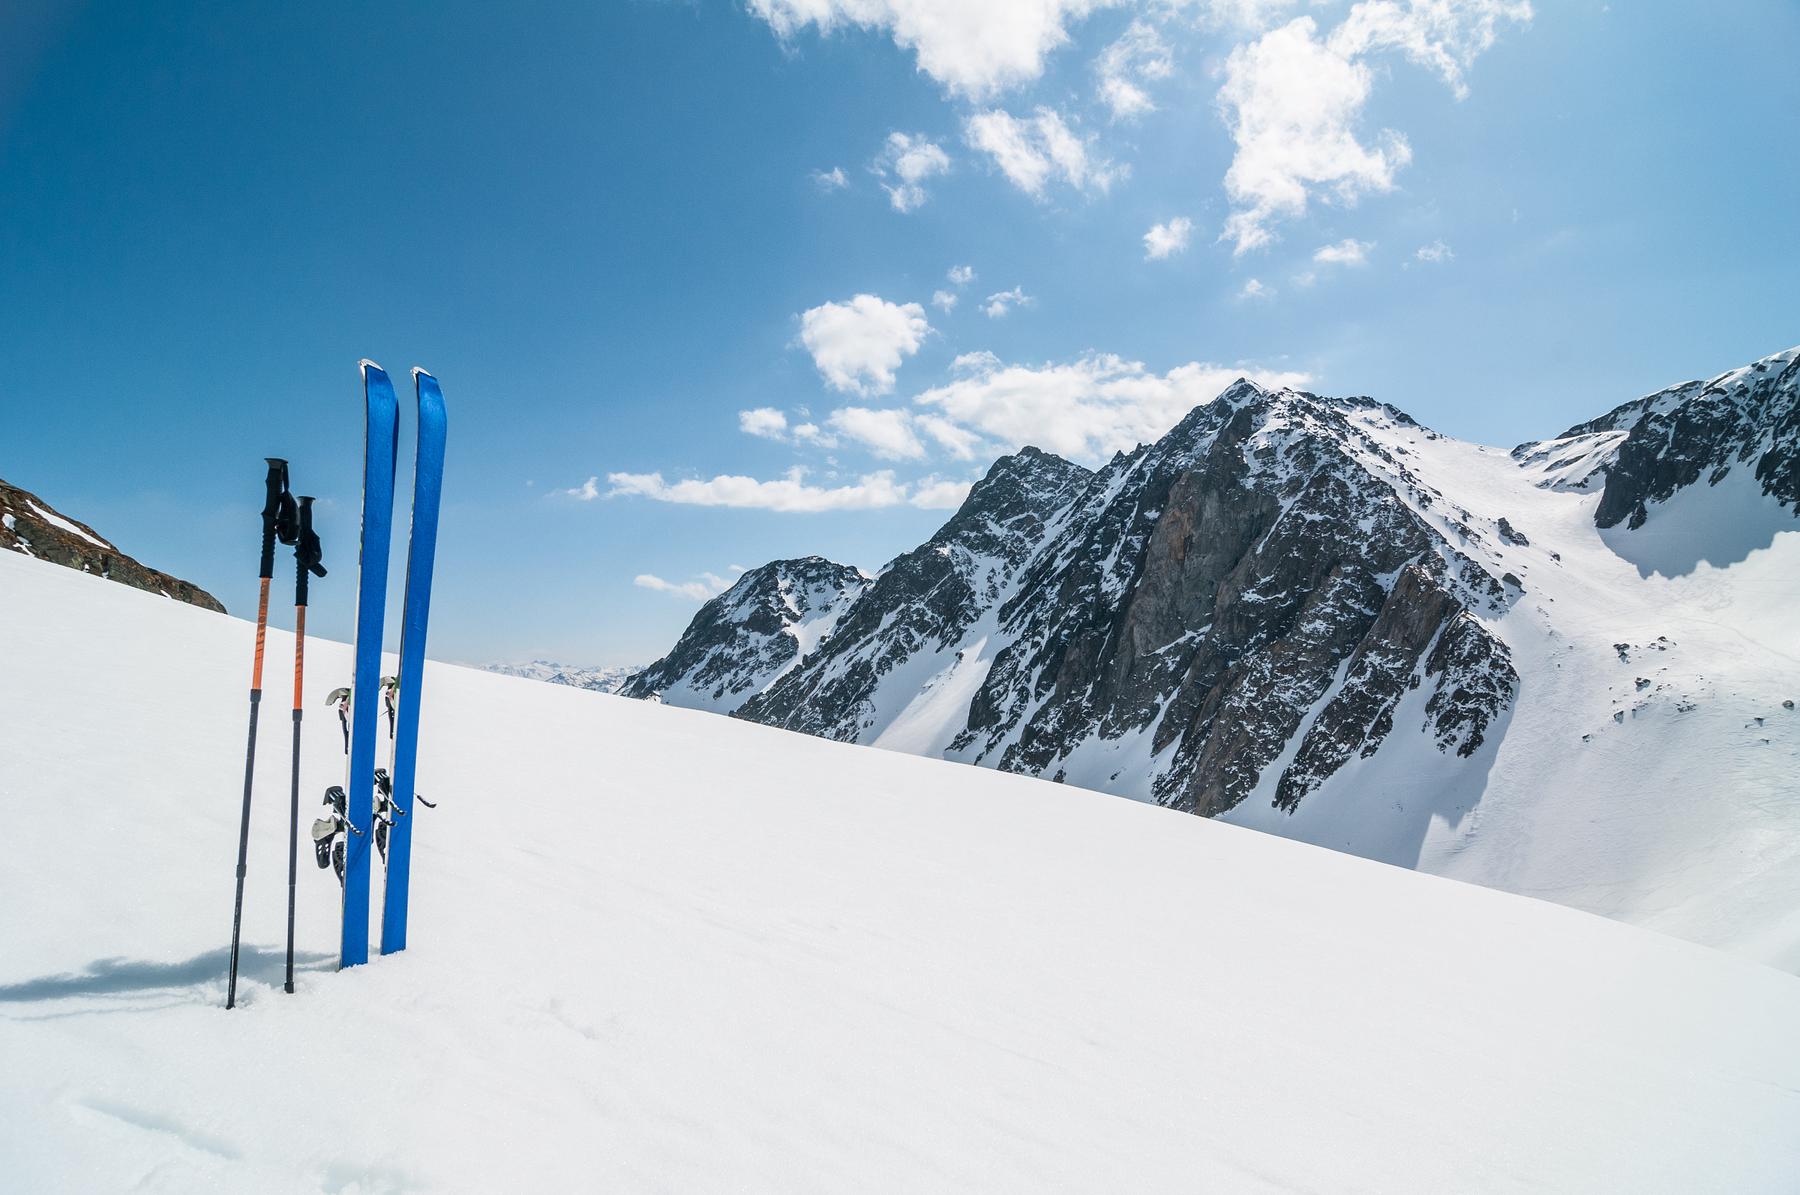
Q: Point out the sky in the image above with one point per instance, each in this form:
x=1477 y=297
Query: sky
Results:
x=712 y=283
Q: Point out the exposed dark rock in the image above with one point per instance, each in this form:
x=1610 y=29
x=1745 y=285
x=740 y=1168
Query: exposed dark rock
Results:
x=1648 y=449
x=1240 y=608
x=30 y=525
x=924 y=601
x=750 y=634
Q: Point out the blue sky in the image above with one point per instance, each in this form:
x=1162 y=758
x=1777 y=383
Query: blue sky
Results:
x=675 y=263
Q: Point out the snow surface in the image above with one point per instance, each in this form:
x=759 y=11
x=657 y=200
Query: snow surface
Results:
x=657 y=950
x=1661 y=787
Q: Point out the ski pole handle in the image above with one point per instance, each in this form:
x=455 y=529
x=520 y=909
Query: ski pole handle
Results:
x=307 y=552
x=275 y=488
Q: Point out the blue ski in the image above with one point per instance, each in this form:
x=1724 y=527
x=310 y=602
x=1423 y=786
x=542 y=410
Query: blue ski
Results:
x=428 y=483
x=380 y=445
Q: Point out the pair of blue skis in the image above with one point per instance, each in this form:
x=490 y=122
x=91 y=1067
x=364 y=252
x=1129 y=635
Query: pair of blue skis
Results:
x=380 y=456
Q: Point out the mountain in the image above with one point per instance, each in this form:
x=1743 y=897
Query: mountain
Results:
x=599 y=680
x=657 y=950
x=745 y=639
x=890 y=637
x=1641 y=453
x=1316 y=617
x=32 y=526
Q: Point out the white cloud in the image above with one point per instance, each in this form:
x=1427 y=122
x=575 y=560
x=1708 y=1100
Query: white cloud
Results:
x=1138 y=57
x=974 y=362
x=1445 y=36
x=910 y=159
x=959 y=442
x=789 y=494
x=1347 y=252
x=1254 y=289
x=587 y=491
x=997 y=305
x=1163 y=240
x=1434 y=253
x=1294 y=100
x=888 y=434
x=703 y=587
x=1253 y=15
x=858 y=345
x=959 y=276
x=972 y=48
x=766 y=422
x=934 y=494
x=1033 y=151
x=1086 y=409
x=1292 y=104
x=830 y=180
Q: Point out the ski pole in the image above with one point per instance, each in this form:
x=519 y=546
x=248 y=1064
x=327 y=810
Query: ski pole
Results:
x=277 y=522
x=307 y=555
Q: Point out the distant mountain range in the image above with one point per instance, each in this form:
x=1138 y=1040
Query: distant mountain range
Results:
x=601 y=680
x=1560 y=670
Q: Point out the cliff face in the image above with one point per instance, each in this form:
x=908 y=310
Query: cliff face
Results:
x=925 y=603
x=1209 y=591
x=1641 y=453
x=745 y=639
x=32 y=526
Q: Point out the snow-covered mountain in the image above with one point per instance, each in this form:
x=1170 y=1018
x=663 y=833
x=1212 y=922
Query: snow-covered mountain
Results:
x=31 y=526
x=748 y=637
x=600 y=680
x=656 y=950
x=1319 y=618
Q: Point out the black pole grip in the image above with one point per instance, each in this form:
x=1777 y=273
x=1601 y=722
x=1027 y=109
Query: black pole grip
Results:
x=307 y=552
x=275 y=488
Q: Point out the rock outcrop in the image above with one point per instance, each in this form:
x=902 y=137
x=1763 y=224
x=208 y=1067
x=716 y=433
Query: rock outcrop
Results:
x=746 y=638
x=32 y=526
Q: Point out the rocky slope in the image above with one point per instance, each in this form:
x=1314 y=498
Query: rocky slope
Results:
x=1640 y=453
x=1192 y=601
x=925 y=603
x=746 y=638
x=30 y=525
x=1562 y=671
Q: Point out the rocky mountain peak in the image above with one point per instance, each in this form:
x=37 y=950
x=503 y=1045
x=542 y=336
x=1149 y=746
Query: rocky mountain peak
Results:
x=744 y=639
x=1639 y=454
x=33 y=527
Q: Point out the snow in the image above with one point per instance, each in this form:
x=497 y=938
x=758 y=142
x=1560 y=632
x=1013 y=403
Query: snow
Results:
x=56 y=520
x=1683 y=814
x=657 y=950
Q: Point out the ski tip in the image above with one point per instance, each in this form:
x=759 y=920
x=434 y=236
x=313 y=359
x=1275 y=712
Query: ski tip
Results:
x=366 y=365
x=419 y=371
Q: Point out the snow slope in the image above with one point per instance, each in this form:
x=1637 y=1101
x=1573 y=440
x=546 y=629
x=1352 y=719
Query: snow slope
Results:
x=1649 y=768
x=1569 y=671
x=656 y=950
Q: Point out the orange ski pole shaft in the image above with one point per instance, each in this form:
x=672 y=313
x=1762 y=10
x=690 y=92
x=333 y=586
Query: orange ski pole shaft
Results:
x=306 y=564
x=277 y=507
